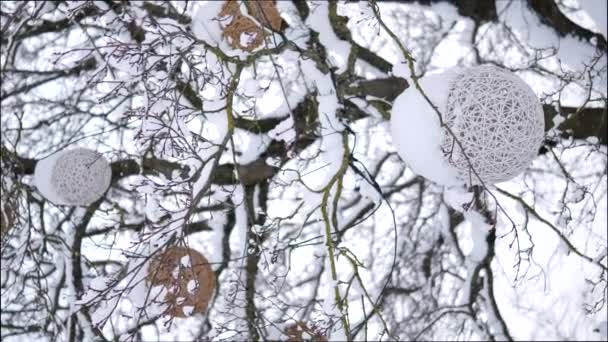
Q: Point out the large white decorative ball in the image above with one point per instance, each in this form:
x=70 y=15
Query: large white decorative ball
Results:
x=493 y=114
x=74 y=177
x=497 y=119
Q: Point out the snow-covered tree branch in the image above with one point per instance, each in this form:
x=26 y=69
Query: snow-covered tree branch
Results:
x=267 y=170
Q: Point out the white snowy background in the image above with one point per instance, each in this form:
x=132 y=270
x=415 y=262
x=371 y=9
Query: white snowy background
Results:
x=543 y=289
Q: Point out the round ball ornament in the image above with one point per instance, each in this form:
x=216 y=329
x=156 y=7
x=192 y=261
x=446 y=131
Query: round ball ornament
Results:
x=187 y=278
x=493 y=123
x=498 y=121
x=73 y=177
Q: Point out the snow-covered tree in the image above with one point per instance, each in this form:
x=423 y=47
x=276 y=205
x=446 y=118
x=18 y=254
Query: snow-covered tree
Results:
x=259 y=192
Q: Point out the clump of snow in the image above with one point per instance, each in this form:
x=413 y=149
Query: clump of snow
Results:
x=185 y=261
x=192 y=286
x=479 y=231
x=205 y=24
x=593 y=140
x=337 y=49
x=458 y=198
x=188 y=310
x=557 y=120
x=596 y=10
x=248 y=38
x=416 y=129
x=42 y=178
x=283 y=131
x=573 y=52
x=575 y=193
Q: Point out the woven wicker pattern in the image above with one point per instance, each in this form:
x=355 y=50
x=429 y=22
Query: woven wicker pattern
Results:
x=244 y=33
x=266 y=13
x=81 y=176
x=498 y=120
x=187 y=277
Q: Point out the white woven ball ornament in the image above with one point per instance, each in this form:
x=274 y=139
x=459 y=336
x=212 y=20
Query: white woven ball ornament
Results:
x=497 y=119
x=80 y=176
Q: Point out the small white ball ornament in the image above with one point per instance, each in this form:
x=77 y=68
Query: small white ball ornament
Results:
x=493 y=114
x=74 y=177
